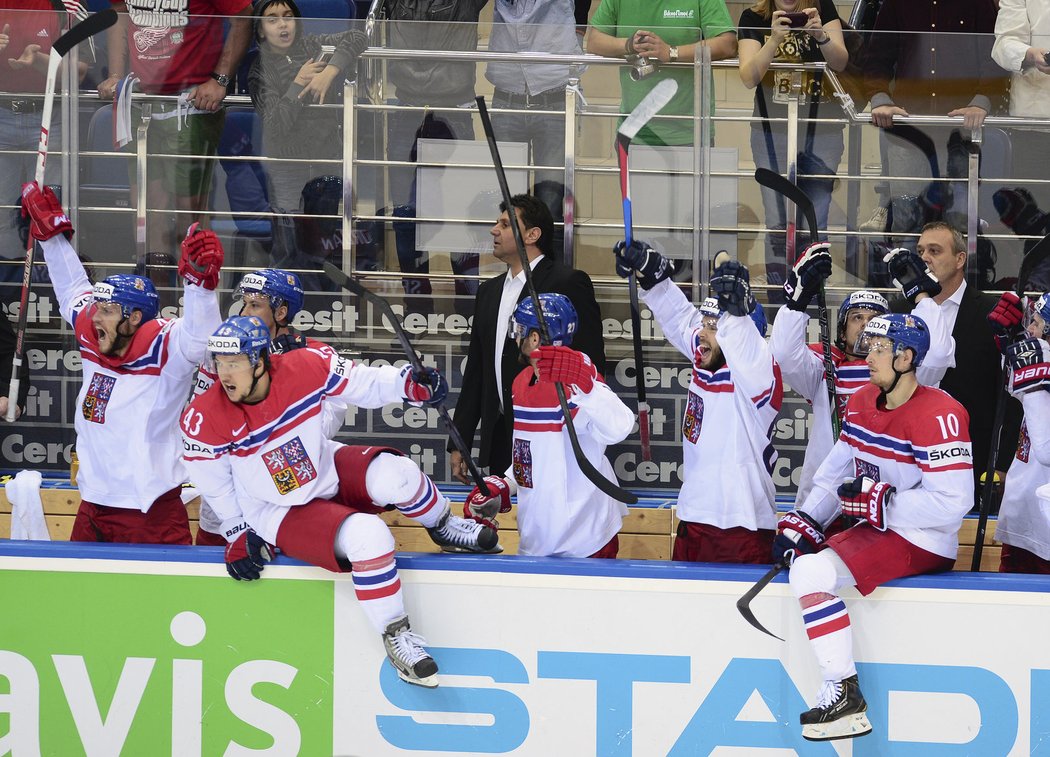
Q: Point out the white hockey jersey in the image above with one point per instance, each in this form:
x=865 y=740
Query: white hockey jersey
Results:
x=804 y=372
x=127 y=423
x=922 y=448
x=560 y=512
x=726 y=431
x=256 y=461
x=1024 y=517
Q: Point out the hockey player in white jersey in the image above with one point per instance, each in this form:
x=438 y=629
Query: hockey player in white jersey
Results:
x=903 y=464
x=560 y=512
x=803 y=365
x=257 y=448
x=137 y=372
x=726 y=504
x=1023 y=526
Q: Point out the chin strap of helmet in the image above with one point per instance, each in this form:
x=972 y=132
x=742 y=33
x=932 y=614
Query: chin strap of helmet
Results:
x=896 y=374
x=256 y=376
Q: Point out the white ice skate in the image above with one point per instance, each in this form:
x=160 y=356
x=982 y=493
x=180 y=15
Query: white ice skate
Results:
x=455 y=534
x=406 y=653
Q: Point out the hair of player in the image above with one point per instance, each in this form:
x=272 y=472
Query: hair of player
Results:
x=958 y=238
x=765 y=8
x=535 y=215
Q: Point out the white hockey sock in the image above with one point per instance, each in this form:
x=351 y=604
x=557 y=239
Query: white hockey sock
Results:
x=367 y=543
x=427 y=506
x=815 y=579
x=394 y=480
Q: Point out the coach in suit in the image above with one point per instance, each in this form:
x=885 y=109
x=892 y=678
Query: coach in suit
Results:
x=976 y=379
x=485 y=395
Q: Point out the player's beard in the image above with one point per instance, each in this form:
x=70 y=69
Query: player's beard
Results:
x=117 y=342
x=713 y=357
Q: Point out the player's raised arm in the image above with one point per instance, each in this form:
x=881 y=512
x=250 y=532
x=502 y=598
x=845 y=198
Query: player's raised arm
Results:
x=801 y=367
x=745 y=348
x=603 y=412
x=50 y=226
x=375 y=386
x=199 y=266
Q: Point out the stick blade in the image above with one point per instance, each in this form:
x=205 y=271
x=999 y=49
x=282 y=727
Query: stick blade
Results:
x=650 y=105
x=743 y=605
x=89 y=27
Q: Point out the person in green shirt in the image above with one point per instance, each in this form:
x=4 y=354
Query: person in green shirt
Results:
x=664 y=31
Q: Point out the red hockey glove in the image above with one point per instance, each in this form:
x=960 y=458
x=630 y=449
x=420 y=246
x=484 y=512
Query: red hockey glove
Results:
x=1005 y=319
x=484 y=508
x=797 y=534
x=565 y=365
x=426 y=387
x=201 y=259
x=247 y=555
x=865 y=498
x=47 y=219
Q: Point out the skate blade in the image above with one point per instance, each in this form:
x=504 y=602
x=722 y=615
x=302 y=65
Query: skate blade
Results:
x=429 y=682
x=849 y=727
x=462 y=551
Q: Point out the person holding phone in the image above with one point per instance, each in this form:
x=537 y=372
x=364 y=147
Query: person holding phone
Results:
x=292 y=71
x=792 y=31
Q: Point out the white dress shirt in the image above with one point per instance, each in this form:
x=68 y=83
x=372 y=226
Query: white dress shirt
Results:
x=512 y=286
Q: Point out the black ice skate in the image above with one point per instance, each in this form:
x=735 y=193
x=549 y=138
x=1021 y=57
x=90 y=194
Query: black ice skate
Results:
x=841 y=713
x=406 y=653
x=455 y=534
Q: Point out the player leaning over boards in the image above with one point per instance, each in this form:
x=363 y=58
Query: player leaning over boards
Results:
x=137 y=373
x=257 y=448
x=561 y=513
x=726 y=502
x=902 y=464
x=804 y=368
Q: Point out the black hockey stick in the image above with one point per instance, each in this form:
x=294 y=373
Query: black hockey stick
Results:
x=592 y=473
x=652 y=104
x=791 y=191
x=744 y=603
x=352 y=285
x=89 y=27
x=1035 y=257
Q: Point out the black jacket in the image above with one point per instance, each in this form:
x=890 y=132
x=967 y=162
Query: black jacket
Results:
x=478 y=401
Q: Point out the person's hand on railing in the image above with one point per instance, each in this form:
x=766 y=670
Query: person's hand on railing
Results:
x=647 y=44
x=107 y=89
x=882 y=115
x=973 y=116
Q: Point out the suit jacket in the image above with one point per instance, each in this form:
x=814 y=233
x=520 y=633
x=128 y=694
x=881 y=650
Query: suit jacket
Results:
x=976 y=379
x=478 y=400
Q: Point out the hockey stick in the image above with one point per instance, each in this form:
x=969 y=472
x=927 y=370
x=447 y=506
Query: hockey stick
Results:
x=352 y=285
x=652 y=104
x=89 y=27
x=744 y=603
x=1036 y=256
x=800 y=199
x=592 y=473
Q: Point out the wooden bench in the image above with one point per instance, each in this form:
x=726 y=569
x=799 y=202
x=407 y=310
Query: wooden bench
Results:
x=647 y=533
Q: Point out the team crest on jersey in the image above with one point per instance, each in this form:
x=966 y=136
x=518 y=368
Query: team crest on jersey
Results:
x=523 y=463
x=864 y=468
x=694 y=418
x=98 y=394
x=289 y=466
x=1024 y=443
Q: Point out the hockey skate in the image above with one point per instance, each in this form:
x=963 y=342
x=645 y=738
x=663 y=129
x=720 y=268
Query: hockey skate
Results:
x=841 y=713
x=455 y=534
x=406 y=653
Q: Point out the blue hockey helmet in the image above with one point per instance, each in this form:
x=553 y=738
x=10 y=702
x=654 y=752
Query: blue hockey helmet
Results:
x=710 y=308
x=558 y=313
x=131 y=292
x=280 y=286
x=864 y=299
x=904 y=330
x=1040 y=307
x=239 y=335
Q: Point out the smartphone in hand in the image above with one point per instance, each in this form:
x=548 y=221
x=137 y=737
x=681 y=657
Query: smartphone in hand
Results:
x=797 y=20
x=325 y=56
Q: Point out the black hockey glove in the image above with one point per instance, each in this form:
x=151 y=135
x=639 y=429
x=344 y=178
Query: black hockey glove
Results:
x=1018 y=211
x=911 y=274
x=247 y=555
x=1029 y=361
x=287 y=343
x=811 y=270
x=731 y=285
x=650 y=266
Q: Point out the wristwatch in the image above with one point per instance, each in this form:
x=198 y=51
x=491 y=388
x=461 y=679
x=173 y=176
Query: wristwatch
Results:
x=223 y=79
x=673 y=54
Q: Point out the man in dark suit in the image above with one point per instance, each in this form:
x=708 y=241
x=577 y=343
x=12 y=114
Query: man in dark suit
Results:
x=485 y=397
x=976 y=379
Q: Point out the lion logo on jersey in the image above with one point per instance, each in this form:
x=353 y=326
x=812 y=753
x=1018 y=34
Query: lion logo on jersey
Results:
x=289 y=466
x=1024 y=444
x=694 y=418
x=864 y=468
x=99 y=391
x=523 y=463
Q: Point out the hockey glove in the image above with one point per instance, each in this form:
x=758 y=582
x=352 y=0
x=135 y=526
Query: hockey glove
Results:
x=47 y=219
x=1005 y=320
x=287 y=343
x=865 y=498
x=731 y=285
x=247 y=555
x=1029 y=362
x=911 y=274
x=483 y=508
x=1018 y=210
x=651 y=266
x=811 y=270
x=202 y=257
x=424 y=387
x=797 y=534
x=564 y=365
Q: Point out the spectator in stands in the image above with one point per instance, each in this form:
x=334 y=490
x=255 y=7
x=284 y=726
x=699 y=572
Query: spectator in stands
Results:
x=27 y=28
x=551 y=26
x=178 y=49
x=7 y=353
x=767 y=34
x=291 y=72
x=625 y=28
x=492 y=358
